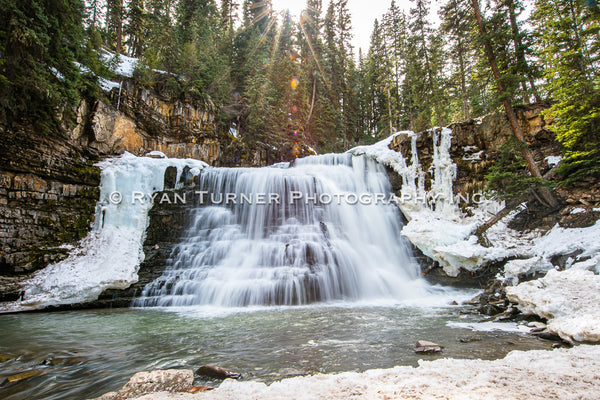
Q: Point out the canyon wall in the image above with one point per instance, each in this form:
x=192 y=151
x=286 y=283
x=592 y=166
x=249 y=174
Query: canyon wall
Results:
x=49 y=184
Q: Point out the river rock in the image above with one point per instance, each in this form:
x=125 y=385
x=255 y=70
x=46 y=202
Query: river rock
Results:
x=217 y=372
x=142 y=383
x=196 y=389
x=22 y=376
x=425 y=347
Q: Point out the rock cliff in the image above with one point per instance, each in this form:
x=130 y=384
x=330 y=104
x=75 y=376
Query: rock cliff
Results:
x=49 y=184
x=476 y=145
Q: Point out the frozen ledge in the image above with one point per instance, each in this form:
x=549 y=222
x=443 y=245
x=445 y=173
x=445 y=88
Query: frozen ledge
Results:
x=570 y=300
x=558 y=374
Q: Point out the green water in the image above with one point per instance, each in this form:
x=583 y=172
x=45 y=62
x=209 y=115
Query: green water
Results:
x=84 y=354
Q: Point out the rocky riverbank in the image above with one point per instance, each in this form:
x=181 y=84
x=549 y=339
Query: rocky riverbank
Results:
x=558 y=374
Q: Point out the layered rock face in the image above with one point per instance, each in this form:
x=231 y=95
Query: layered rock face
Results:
x=140 y=120
x=49 y=184
x=48 y=192
x=476 y=145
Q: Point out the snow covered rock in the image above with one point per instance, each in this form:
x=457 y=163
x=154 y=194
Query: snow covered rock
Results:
x=570 y=300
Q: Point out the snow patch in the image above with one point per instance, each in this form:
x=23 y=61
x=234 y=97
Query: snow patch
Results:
x=553 y=161
x=107 y=85
x=156 y=154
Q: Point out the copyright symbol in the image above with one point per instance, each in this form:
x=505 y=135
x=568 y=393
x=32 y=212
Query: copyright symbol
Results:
x=116 y=197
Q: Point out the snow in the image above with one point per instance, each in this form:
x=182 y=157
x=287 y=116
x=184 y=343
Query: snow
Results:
x=107 y=85
x=156 y=154
x=473 y=157
x=569 y=299
x=109 y=256
x=578 y=211
x=490 y=326
x=515 y=268
x=553 y=160
x=541 y=374
x=559 y=241
x=123 y=65
x=381 y=152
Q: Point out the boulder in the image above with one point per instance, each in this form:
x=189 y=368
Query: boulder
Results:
x=217 y=372
x=142 y=383
x=426 y=347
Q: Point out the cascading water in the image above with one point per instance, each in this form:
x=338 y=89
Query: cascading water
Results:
x=321 y=230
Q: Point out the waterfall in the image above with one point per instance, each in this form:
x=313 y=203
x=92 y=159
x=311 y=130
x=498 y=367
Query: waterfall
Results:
x=320 y=230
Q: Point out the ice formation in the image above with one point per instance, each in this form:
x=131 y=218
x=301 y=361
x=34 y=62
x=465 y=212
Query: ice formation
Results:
x=109 y=256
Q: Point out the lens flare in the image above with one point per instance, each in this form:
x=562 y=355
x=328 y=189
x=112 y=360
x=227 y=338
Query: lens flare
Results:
x=294 y=83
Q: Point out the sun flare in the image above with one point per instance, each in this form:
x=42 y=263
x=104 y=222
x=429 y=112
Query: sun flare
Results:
x=295 y=6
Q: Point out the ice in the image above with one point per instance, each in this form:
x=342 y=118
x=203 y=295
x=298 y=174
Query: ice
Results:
x=490 y=326
x=515 y=268
x=566 y=374
x=109 y=256
x=569 y=300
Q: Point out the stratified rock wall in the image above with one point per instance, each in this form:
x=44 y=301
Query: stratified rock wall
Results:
x=476 y=145
x=49 y=184
x=48 y=192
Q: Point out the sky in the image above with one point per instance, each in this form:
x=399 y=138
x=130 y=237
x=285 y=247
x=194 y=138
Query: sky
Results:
x=364 y=13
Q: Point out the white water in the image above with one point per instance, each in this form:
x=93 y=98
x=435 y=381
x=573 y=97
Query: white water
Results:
x=293 y=252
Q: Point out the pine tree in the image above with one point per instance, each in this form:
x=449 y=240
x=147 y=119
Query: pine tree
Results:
x=421 y=28
x=136 y=27
x=457 y=23
x=570 y=49
x=114 y=24
x=512 y=118
x=39 y=42
x=396 y=41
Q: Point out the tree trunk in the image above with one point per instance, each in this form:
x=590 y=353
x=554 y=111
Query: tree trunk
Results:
x=463 y=85
x=389 y=98
x=312 y=102
x=510 y=113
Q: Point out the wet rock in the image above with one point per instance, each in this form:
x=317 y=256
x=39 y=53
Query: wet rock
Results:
x=196 y=389
x=170 y=178
x=469 y=339
x=547 y=335
x=6 y=357
x=22 y=376
x=217 y=372
x=426 y=347
x=142 y=383
x=536 y=325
